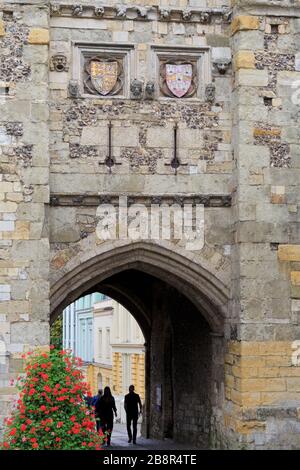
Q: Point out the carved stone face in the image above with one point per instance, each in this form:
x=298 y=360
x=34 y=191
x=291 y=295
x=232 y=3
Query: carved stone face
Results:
x=59 y=63
x=73 y=88
x=222 y=66
x=99 y=11
x=136 y=88
x=205 y=17
x=77 y=10
x=164 y=13
x=150 y=89
x=210 y=92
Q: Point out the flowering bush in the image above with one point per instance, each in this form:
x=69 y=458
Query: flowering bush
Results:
x=51 y=411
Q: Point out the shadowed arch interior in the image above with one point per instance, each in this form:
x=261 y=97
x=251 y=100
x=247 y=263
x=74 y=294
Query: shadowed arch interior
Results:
x=181 y=310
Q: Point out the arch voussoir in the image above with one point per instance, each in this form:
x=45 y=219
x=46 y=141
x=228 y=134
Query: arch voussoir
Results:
x=201 y=286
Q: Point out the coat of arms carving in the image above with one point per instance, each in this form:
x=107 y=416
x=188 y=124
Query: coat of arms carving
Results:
x=178 y=79
x=104 y=76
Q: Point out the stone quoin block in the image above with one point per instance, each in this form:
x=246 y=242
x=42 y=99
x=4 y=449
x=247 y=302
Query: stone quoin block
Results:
x=252 y=78
x=39 y=36
x=2 y=29
x=244 y=23
x=289 y=252
x=244 y=60
x=295 y=278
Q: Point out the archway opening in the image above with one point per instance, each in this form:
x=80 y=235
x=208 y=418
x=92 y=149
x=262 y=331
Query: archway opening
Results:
x=184 y=376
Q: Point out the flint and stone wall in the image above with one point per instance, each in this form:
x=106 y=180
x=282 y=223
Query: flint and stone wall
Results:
x=238 y=142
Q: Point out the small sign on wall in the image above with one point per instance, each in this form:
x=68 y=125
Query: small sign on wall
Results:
x=158 y=395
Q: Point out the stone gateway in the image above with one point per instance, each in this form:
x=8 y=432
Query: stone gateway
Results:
x=164 y=102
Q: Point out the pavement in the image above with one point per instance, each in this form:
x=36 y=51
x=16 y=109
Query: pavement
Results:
x=119 y=441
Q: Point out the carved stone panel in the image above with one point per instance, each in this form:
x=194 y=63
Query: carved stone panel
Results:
x=178 y=78
x=104 y=75
x=104 y=70
x=180 y=72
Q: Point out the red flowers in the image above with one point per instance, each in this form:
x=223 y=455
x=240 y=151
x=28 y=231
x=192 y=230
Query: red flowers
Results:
x=51 y=412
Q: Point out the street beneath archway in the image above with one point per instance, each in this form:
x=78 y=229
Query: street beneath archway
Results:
x=120 y=442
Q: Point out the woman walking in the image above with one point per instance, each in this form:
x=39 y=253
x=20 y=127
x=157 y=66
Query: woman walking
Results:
x=105 y=409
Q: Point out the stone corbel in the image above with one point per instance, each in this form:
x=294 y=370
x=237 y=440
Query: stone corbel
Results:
x=205 y=17
x=136 y=89
x=73 y=88
x=143 y=11
x=222 y=65
x=59 y=63
x=164 y=13
x=187 y=14
x=55 y=9
x=227 y=14
x=210 y=93
x=77 y=10
x=121 y=11
x=99 y=12
x=150 y=90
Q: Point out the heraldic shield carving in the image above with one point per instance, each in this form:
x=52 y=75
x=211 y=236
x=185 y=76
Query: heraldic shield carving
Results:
x=178 y=79
x=104 y=76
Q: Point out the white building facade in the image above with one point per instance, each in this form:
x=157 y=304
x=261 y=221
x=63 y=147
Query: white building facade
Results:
x=108 y=339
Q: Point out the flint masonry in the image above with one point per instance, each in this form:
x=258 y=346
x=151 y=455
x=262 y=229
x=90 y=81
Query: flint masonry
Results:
x=93 y=98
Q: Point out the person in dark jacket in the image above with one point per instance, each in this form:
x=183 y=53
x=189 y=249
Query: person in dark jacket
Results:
x=132 y=405
x=105 y=409
x=95 y=400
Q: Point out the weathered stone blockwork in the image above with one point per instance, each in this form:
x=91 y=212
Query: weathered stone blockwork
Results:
x=24 y=189
x=238 y=148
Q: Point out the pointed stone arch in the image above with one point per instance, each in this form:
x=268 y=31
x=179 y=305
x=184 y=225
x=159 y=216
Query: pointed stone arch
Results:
x=196 y=280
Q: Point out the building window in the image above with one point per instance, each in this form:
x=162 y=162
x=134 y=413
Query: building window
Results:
x=100 y=381
x=107 y=343
x=126 y=372
x=100 y=342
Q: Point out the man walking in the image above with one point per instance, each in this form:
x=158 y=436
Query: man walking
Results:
x=133 y=406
